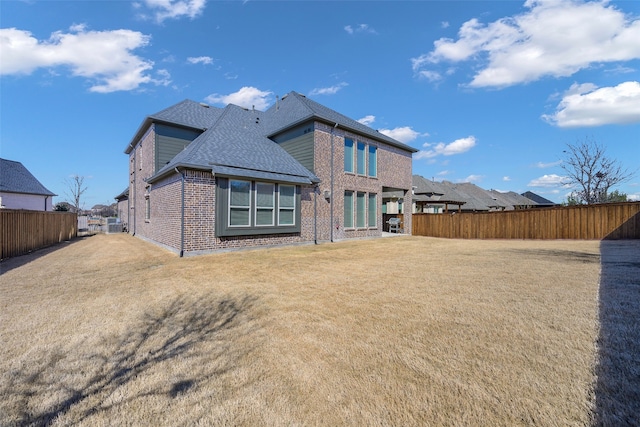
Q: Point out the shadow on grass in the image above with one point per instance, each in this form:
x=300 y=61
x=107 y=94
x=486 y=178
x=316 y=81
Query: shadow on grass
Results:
x=617 y=390
x=80 y=382
x=9 y=264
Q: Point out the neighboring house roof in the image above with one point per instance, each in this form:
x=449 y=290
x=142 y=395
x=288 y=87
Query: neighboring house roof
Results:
x=15 y=178
x=511 y=199
x=123 y=196
x=538 y=199
x=436 y=192
x=469 y=195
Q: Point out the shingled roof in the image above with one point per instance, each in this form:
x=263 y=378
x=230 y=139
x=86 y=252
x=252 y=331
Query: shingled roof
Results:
x=235 y=141
x=15 y=178
x=295 y=108
x=235 y=145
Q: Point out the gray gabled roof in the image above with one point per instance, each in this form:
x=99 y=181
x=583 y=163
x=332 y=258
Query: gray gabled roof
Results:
x=235 y=141
x=437 y=192
x=541 y=201
x=15 y=178
x=295 y=108
x=189 y=114
x=511 y=199
x=235 y=145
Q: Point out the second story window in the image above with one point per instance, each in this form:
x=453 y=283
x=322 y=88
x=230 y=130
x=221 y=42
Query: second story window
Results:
x=348 y=155
x=361 y=160
x=373 y=161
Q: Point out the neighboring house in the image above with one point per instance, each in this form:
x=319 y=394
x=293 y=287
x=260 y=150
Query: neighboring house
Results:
x=204 y=179
x=442 y=197
x=540 y=201
x=19 y=189
x=122 y=200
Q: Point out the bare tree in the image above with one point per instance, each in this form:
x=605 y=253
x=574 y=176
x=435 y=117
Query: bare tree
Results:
x=592 y=172
x=75 y=190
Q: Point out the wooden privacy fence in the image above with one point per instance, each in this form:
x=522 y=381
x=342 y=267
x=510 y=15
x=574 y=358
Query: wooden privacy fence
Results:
x=24 y=231
x=605 y=221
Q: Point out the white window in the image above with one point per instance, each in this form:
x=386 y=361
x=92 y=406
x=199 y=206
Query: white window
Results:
x=239 y=203
x=348 y=209
x=265 y=204
x=360 y=210
x=286 y=204
x=372 y=210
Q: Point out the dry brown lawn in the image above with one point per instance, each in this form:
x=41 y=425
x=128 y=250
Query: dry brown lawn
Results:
x=111 y=330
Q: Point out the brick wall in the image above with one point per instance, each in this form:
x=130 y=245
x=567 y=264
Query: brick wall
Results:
x=165 y=197
x=394 y=170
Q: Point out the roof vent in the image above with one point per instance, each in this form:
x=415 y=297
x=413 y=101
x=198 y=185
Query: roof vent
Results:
x=202 y=104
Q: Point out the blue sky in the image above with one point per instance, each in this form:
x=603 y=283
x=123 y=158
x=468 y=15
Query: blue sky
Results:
x=489 y=91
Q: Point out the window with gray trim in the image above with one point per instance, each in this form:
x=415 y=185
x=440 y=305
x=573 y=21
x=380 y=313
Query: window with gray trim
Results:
x=246 y=207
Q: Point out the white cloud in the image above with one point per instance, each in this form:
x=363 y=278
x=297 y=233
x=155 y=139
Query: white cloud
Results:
x=102 y=56
x=506 y=178
x=431 y=76
x=200 y=60
x=444 y=24
x=367 y=120
x=458 y=146
x=360 y=28
x=402 y=134
x=543 y=165
x=247 y=97
x=472 y=178
x=173 y=9
x=332 y=90
x=551 y=180
x=551 y=38
x=587 y=105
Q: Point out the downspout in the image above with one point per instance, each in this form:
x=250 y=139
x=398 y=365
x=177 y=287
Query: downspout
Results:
x=332 y=195
x=181 y=213
x=135 y=192
x=315 y=214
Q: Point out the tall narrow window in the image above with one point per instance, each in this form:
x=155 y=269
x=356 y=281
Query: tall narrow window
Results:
x=373 y=161
x=348 y=155
x=239 y=203
x=265 y=203
x=360 y=211
x=372 y=210
x=286 y=205
x=361 y=161
x=348 y=209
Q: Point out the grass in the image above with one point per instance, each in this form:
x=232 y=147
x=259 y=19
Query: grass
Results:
x=401 y=331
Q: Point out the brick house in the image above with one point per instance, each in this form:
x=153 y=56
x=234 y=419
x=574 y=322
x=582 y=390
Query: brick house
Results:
x=203 y=179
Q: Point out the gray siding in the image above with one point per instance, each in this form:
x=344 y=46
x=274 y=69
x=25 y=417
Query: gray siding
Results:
x=170 y=141
x=301 y=149
x=299 y=143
